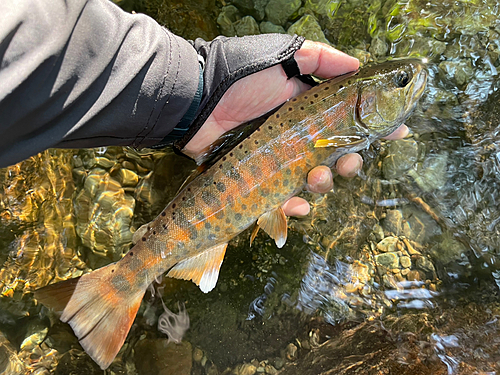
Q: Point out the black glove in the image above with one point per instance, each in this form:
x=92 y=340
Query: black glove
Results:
x=226 y=60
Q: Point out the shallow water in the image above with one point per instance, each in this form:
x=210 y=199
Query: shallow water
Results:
x=396 y=270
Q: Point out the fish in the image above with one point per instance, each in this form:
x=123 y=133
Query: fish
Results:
x=244 y=187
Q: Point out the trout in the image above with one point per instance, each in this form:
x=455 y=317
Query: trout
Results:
x=247 y=185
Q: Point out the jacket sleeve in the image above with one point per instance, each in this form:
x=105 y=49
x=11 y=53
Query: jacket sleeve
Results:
x=84 y=73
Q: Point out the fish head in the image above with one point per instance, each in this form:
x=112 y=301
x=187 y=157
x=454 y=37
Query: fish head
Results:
x=387 y=94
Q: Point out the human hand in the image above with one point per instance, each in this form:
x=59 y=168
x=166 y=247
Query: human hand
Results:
x=258 y=93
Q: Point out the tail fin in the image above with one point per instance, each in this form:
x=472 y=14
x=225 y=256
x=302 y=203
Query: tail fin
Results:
x=99 y=313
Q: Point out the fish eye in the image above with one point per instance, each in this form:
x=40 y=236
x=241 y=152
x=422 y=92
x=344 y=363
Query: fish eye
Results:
x=402 y=78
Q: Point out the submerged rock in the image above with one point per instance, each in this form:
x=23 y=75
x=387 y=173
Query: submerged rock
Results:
x=279 y=11
x=157 y=356
x=308 y=27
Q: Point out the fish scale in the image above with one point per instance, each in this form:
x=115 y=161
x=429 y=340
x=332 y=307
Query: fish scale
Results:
x=247 y=185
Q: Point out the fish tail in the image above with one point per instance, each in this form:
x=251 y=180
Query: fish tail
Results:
x=99 y=314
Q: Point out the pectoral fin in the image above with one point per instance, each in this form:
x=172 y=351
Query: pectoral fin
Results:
x=274 y=224
x=339 y=141
x=203 y=268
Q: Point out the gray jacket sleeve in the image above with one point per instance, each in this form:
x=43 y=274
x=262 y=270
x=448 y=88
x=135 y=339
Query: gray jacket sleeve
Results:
x=83 y=73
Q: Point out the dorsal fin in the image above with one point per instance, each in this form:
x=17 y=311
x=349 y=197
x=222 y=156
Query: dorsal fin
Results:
x=274 y=223
x=203 y=268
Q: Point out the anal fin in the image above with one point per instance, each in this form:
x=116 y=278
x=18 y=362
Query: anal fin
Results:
x=99 y=314
x=274 y=223
x=202 y=269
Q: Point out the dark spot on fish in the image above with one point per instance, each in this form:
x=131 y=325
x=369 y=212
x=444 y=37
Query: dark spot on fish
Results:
x=254 y=207
x=276 y=183
x=112 y=271
x=315 y=95
x=212 y=237
x=341 y=87
x=281 y=124
x=301 y=108
x=173 y=205
x=237 y=216
x=120 y=283
x=217 y=228
x=327 y=88
x=220 y=186
x=246 y=152
x=258 y=129
x=190 y=202
x=183 y=198
x=193 y=233
x=256 y=142
x=163 y=213
x=231 y=154
x=277 y=115
x=286 y=182
x=220 y=166
x=290 y=109
x=264 y=192
x=198 y=246
x=230 y=200
x=233 y=173
x=144 y=238
x=243 y=206
x=200 y=216
x=312 y=102
x=188 y=189
x=219 y=215
x=210 y=199
x=270 y=127
x=349 y=82
x=288 y=171
x=224 y=158
x=305 y=96
x=298 y=170
x=294 y=99
x=135 y=263
x=228 y=220
x=208 y=225
x=240 y=147
x=154 y=233
x=149 y=228
x=277 y=195
x=165 y=226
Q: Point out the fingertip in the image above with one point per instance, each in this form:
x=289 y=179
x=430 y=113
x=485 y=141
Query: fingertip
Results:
x=320 y=180
x=296 y=206
x=399 y=133
x=349 y=165
x=324 y=61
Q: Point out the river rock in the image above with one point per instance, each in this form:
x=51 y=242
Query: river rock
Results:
x=308 y=27
x=402 y=155
x=267 y=27
x=278 y=11
x=157 y=356
x=226 y=19
x=246 y=26
x=254 y=8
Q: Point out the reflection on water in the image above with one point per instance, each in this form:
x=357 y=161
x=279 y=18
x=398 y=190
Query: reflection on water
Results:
x=394 y=271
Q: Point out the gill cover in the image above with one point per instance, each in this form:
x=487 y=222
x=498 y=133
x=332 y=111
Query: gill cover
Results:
x=388 y=94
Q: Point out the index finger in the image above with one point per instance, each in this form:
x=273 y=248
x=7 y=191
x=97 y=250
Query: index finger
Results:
x=324 y=61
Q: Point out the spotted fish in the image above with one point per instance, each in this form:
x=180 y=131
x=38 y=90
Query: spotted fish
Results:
x=247 y=185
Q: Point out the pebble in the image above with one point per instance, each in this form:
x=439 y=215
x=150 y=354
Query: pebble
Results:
x=271 y=370
x=388 y=260
x=291 y=352
x=405 y=261
x=388 y=244
x=279 y=362
x=247 y=369
x=197 y=354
